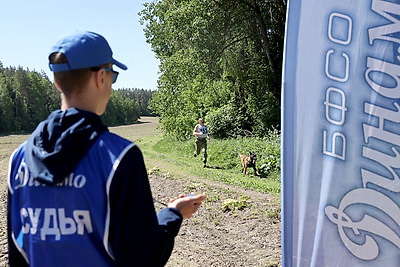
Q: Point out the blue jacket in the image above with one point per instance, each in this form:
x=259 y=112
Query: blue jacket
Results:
x=79 y=196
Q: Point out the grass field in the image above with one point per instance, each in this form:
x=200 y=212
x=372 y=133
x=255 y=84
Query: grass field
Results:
x=175 y=158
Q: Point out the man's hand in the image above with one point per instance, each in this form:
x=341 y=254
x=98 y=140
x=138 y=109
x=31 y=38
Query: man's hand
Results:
x=187 y=205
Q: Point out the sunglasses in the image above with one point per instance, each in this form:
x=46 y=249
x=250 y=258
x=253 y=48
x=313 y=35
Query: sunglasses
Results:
x=114 y=73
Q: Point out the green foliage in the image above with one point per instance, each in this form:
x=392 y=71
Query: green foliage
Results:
x=225 y=121
x=28 y=97
x=274 y=215
x=179 y=127
x=6 y=106
x=220 y=60
x=223 y=159
x=142 y=97
x=224 y=153
x=155 y=170
x=121 y=110
x=235 y=204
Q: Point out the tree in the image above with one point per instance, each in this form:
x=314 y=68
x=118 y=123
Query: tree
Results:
x=27 y=97
x=36 y=102
x=121 y=110
x=142 y=97
x=204 y=46
x=6 y=106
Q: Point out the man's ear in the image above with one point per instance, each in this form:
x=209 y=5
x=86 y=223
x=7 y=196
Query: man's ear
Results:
x=100 y=77
x=57 y=86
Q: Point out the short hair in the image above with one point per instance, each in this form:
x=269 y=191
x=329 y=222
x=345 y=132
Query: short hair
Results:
x=72 y=81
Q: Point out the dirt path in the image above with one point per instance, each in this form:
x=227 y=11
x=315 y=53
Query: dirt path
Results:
x=234 y=227
x=247 y=234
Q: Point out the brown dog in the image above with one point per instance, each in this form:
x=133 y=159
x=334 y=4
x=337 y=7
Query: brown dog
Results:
x=248 y=161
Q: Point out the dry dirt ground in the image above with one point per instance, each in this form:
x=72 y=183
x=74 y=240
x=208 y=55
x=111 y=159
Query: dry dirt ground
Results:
x=234 y=227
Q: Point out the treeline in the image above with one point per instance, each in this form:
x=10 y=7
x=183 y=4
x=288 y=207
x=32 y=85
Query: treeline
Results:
x=27 y=97
x=127 y=105
x=142 y=97
x=219 y=59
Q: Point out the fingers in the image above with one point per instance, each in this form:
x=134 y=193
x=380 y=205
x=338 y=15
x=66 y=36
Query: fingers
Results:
x=173 y=199
x=191 y=205
x=187 y=205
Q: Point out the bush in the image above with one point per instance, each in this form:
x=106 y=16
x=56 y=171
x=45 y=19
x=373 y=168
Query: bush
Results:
x=225 y=122
x=178 y=127
x=225 y=152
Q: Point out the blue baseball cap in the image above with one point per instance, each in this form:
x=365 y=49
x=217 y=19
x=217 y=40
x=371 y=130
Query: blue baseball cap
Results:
x=83 y=49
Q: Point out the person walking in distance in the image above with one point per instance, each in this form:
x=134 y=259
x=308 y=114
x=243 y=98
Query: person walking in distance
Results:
x=200 y=131
x=79 y=195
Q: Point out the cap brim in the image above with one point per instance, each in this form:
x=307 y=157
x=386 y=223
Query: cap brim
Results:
x=119 y=64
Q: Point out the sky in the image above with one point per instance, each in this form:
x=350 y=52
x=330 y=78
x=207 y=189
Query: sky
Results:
x=29 y=28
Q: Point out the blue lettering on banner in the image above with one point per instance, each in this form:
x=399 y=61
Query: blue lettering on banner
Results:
x=339 y=33
x=362 y=234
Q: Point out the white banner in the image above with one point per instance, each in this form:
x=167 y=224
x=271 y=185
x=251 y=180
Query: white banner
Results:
x=341 y=133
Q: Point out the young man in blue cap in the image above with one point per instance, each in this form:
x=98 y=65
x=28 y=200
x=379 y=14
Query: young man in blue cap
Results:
x=78 y=194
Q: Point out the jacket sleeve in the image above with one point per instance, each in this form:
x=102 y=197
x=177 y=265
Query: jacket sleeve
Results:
x=138 y=236
x=15 y=258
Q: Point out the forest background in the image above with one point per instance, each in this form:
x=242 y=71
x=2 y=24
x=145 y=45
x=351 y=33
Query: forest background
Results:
x=219 y=59
x=27 y=97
